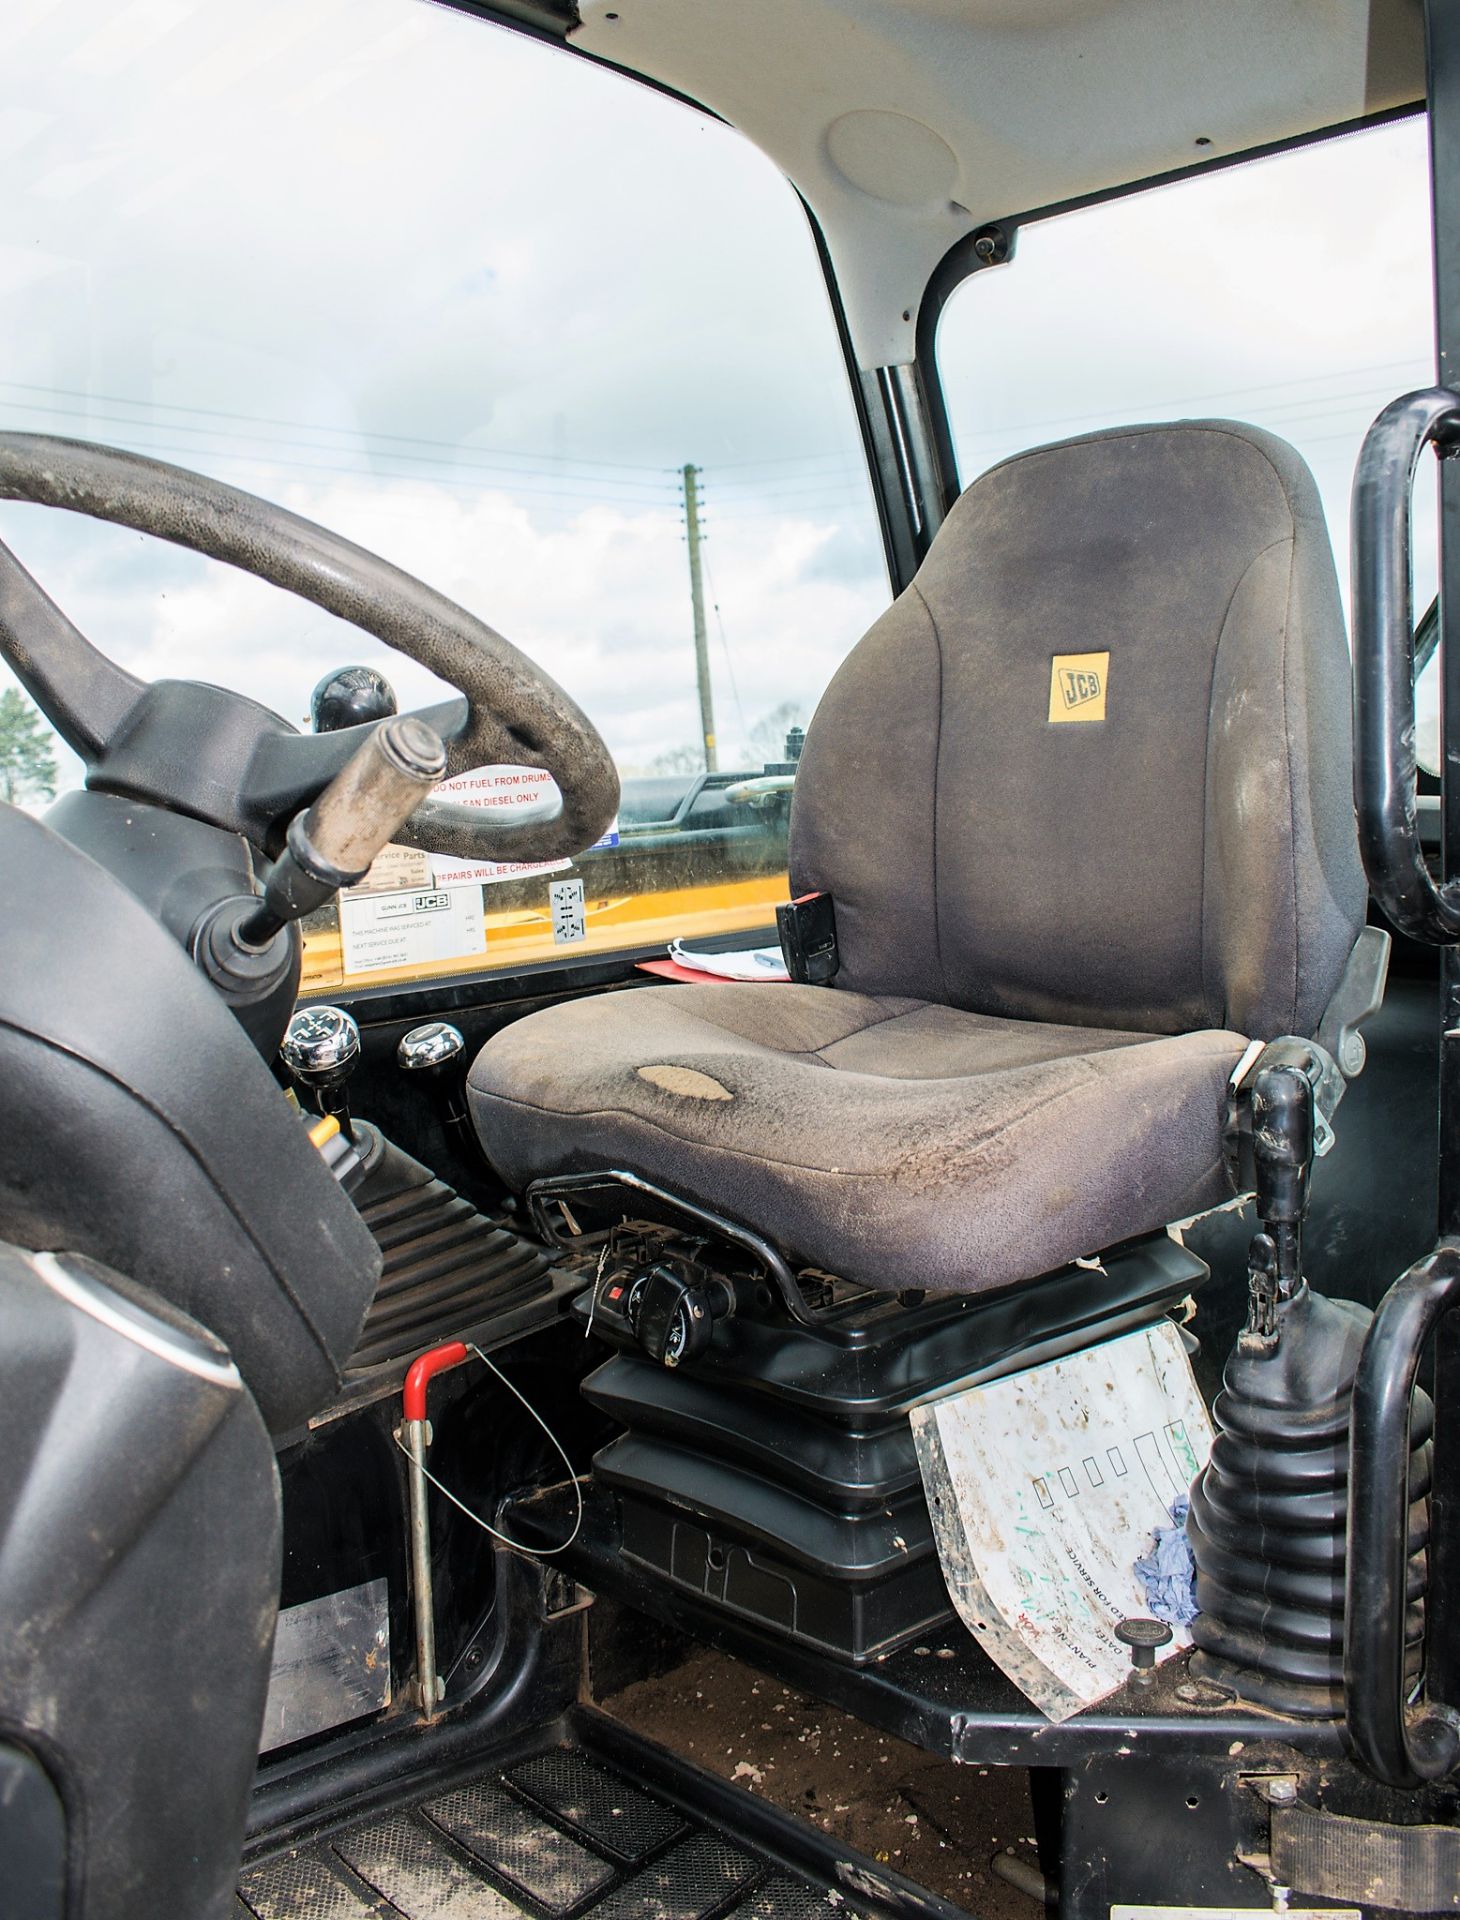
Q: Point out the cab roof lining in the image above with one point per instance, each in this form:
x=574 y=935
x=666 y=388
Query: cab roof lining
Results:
x=908 y=124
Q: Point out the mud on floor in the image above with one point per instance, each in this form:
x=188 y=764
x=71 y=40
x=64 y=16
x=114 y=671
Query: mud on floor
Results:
x=932 y=1821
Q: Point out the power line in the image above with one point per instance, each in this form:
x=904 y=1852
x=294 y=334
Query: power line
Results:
x=533 y=485
x=733 y=514
x=778 y=460
x=1178 y=402
x=535 y=506
x=305 y=426
x=212 y=436
x=785 y=489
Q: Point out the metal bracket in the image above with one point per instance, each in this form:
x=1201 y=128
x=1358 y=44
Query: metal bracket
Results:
x=549 y=1200
x=562 y=1595
x=1356 y=999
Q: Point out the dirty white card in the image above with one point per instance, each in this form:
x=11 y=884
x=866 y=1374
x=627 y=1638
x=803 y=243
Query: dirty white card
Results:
x=1045 y=1488
x=413 y=929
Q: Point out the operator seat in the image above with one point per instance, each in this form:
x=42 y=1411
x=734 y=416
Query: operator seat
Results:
x=1082 y=800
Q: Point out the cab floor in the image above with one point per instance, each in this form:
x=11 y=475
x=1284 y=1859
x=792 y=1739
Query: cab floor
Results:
x=556 y=1837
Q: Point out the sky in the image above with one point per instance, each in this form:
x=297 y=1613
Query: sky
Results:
x=1292 y=292
x=473 y=303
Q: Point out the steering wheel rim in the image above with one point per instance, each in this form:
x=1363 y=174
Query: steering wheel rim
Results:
x=184 y=744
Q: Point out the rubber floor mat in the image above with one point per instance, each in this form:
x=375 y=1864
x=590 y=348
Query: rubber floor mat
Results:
x=557 y=1837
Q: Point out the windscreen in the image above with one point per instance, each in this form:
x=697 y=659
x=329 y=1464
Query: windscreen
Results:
x=532 y=331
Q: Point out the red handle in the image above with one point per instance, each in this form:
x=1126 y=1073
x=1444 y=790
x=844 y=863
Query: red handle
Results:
x=424 y=1370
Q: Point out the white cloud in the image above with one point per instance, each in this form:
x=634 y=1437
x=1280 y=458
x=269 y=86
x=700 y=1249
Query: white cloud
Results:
x=1293 y=292
x=470 y=302
x=474 y=302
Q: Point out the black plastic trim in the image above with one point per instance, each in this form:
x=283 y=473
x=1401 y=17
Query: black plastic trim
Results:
x=378 y=1006
x=529 y=1675
x=884 y=473
x=550 y=20
x=791 y=1842
x=1383 y=664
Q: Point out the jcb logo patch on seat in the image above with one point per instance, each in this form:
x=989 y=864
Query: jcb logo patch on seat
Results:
x=1077 y=683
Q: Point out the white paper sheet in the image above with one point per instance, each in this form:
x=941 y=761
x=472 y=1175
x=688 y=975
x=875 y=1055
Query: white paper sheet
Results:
x=511 y=793
x=755 y=963
x=1045 y=1488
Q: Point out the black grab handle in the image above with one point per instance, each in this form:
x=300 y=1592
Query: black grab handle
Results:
x=1398 y=1749
x=1383 y=628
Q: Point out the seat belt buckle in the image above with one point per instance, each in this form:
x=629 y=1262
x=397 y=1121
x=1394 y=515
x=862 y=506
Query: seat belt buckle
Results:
x=807 y=928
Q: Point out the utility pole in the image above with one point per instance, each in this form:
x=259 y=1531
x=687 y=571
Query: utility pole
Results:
x=690 y=476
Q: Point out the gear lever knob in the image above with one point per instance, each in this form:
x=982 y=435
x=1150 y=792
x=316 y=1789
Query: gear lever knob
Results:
x=431 y=1055
x=430 y=1048
x=321 y=1049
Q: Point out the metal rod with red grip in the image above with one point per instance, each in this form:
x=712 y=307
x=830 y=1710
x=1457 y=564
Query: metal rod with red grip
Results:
x=424 y=1371
x=415 y=1437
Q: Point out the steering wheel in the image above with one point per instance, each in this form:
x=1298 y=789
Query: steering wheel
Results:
x=203 y=751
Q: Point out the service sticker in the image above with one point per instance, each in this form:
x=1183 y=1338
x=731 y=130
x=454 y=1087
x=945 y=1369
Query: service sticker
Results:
x=380 y=931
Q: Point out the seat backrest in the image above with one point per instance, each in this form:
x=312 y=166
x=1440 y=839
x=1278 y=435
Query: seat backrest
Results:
x=1094 y=765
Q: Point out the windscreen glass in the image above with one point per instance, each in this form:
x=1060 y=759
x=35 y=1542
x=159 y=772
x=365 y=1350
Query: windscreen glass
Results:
x=537 y=334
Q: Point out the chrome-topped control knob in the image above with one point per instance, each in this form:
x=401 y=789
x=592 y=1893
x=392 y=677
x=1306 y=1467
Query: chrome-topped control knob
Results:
x=433 y=1056
x=436 y=1044
x=321 y=1049
x=320 y=1045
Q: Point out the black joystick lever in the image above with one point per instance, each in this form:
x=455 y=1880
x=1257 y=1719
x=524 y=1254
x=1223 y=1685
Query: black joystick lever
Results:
x=321 y=1049
x=1282 y=1164
x=333 y=843
x=328 y=846
x=349 y=697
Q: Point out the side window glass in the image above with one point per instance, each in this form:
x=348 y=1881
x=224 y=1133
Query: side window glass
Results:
x=1238 y=295
x=543 y=337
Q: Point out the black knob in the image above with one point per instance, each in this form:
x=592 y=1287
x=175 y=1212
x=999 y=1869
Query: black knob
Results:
x=1143 y=1637
x=672 y=1319
x=349 y=697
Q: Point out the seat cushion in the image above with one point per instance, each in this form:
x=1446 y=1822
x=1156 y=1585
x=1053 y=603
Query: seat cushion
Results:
x=896 y=1142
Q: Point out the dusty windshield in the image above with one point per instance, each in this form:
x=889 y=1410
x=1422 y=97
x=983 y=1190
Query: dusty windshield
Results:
x=550 y=341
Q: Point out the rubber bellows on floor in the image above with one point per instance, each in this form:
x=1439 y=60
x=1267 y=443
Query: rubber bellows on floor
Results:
x=1269 y=1510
